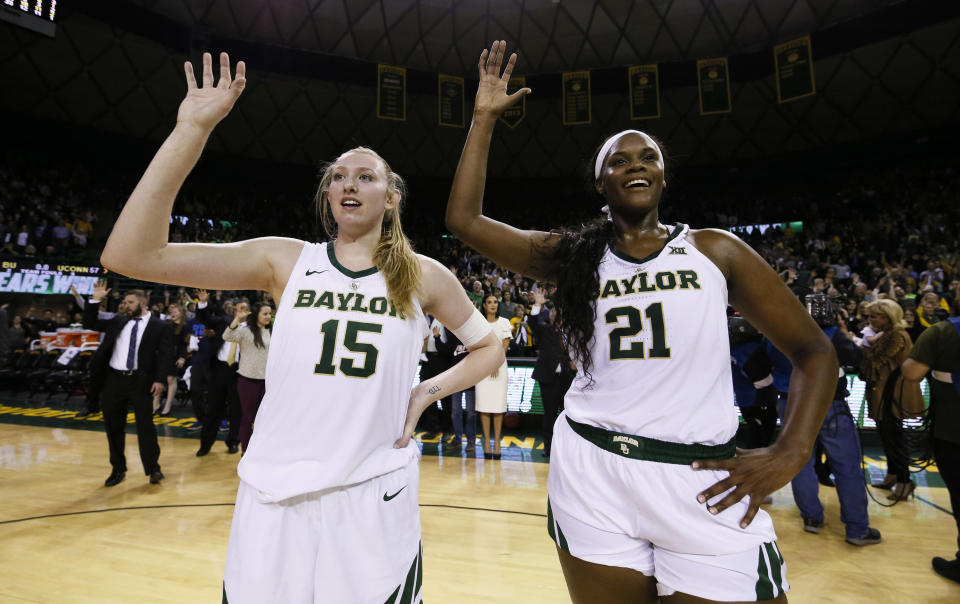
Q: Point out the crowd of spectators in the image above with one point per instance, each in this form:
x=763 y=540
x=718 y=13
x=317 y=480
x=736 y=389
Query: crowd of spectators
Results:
x=862 y=235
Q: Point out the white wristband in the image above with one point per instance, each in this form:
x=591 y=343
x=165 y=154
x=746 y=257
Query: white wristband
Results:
x=764 y=382
x=473 y=329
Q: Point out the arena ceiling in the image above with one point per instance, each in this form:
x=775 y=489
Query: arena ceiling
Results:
x=554 y=35
x=881 y=67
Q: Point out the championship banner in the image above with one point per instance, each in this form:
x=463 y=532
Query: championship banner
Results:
x=514 y=114
x=794 y=69
x=450 y=101
x=714 y=83
x=391 y=93
x=576 y=98
x=644 y=86
x=33 y=276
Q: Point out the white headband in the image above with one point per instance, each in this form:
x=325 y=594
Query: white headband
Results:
x=609 y=145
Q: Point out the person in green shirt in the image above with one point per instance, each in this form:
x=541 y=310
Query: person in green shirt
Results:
x=937 y=351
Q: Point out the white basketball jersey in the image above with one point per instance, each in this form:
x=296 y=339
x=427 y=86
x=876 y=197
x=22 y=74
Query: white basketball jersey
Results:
x=339 y=374
x=661 y=355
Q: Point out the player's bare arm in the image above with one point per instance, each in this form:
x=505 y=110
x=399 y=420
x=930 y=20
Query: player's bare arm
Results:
x=757 y=292
x=444 y=298
x=518 y=250
x=139 y=245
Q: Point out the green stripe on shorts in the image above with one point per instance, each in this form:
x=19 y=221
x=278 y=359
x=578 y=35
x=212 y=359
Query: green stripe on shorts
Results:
x=553 y=529
x=764 y=586
x=550 y=531
x=769 y=578
x=776 y=568
x=411 y=586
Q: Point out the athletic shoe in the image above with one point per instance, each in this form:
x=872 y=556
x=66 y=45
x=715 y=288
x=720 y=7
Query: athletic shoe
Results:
x=813 y=526
x=948 y=569
x=871 y=538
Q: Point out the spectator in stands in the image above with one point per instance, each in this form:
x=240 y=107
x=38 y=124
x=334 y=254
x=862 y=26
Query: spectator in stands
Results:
x=250 y=330
x=137 y=349
x=178 y=325
x=927 y=311
x=931 y=278
x=507 y=307
x=61 y=237
x=222 y=399
x=553 y=370
x=881 y=358
x=17 y=335
x=22 y=239
x=476 y=294
x=937 y=354
x=522 y=344
x=491 y=391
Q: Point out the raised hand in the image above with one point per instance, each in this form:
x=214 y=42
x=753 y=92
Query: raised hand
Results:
x=241 y=313
x=206 y=105
x=100 y=290
x=539 y=298
x=492 y=97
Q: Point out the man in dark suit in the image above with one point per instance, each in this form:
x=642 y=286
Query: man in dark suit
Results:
x=137 y=355
x=553 y=369
x=222 y=396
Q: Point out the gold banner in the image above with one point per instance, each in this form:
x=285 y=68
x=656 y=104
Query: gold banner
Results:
x=391 y=93
x=713 y=80
x=794 y=69
x=514 y=114
x=644 y=86
x=450 y=101
x=576 y=98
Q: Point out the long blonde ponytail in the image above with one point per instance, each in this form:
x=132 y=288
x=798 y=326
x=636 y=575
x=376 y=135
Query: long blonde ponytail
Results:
x=394 y=256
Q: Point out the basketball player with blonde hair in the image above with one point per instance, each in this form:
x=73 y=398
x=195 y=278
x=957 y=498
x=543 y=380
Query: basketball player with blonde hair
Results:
x=327 y=504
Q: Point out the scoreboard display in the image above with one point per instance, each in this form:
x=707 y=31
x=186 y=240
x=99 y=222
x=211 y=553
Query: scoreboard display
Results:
x=36 y=15
x=42 y=277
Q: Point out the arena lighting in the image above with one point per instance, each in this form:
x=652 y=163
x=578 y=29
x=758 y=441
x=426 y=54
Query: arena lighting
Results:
x=36 y=15
x=796 y=225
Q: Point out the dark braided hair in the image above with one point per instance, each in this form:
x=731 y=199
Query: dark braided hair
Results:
x=576 y=266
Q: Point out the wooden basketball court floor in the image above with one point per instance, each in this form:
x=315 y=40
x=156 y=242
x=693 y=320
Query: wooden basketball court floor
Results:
x=64 y=537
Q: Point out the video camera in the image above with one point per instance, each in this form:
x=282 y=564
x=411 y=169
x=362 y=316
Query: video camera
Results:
x=741 y=331
x=823 y=309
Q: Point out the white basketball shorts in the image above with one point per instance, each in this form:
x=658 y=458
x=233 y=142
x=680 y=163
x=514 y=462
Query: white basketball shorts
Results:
x=610 y=509
x=359 y=543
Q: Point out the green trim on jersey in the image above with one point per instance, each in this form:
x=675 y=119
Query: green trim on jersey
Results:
x=224 y=594
x=352 y=274
x=651 y=449
x=624 y=256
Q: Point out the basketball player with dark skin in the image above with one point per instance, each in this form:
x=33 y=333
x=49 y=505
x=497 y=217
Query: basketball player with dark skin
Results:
x=754 y=290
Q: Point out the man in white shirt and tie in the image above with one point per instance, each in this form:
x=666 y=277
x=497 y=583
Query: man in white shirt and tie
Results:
x=138 y=351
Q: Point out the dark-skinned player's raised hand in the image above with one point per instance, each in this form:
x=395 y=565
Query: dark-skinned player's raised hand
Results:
x=492 y=97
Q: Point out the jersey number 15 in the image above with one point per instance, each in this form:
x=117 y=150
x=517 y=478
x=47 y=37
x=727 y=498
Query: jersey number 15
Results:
x=348 y=368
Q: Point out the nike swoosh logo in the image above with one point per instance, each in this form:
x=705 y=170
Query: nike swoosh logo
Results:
x=389 y=497
x=315 y=272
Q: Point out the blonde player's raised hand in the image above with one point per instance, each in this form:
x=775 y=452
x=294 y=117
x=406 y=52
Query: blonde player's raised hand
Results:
x=207 y=104
x=492 y=97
